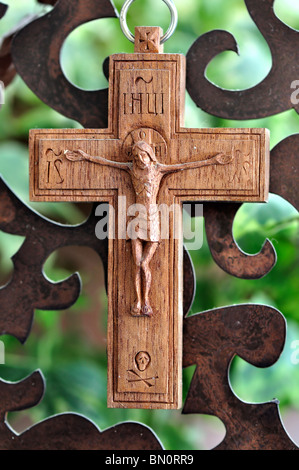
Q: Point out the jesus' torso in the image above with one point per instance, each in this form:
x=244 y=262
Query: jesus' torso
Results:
x=146 y=183
x=146 y=179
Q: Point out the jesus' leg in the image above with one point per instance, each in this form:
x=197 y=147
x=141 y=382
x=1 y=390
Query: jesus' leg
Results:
x=137 y=255
x=148 y=253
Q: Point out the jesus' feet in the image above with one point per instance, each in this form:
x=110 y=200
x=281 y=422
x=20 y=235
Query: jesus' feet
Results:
x=147 y=310
x=136 y=309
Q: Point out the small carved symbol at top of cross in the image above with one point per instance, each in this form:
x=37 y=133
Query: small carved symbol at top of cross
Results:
x=148 y=40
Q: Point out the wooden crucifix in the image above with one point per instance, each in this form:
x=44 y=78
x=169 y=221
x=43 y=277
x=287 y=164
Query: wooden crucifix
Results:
x=144 y=161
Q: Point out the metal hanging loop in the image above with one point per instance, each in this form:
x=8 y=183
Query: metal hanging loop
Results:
x=167 y=35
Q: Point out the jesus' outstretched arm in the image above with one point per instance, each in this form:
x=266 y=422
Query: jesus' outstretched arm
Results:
x=219 y=159
x=79 y=155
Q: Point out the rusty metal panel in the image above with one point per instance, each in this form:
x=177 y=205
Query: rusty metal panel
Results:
x=38 y=46
x=225 y=251
x=272 y=95
x=284 y=176
x=67 y=431
x=255 y=333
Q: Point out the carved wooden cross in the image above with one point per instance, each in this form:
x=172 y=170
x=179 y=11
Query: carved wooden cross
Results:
x=143 y=161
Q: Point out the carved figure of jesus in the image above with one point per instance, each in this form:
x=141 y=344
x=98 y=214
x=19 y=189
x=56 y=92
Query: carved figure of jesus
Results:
x=146 y=175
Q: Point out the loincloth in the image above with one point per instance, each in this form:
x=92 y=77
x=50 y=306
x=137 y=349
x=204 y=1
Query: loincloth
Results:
x=145 y=225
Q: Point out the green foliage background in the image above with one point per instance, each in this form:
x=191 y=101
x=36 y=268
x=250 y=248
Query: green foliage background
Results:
x=70 y=355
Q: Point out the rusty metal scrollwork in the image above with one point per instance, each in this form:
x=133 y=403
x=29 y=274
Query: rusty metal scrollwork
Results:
x=284 y=170
x=68 y=431
x=256 y=333
x=3 y=9
x=225 y=251
x=29 y=289
x=37 y=47
x=272 y=95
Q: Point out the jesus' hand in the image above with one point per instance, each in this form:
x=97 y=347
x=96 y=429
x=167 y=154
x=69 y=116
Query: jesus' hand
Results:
x=223 y=159
x=75 y=155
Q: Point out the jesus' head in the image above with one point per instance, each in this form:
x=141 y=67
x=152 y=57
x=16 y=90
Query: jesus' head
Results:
x=143 y=154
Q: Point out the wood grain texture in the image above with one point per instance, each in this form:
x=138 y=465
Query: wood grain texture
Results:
x=146 y=103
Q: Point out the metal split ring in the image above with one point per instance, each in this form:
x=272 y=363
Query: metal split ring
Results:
x=131 y=37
